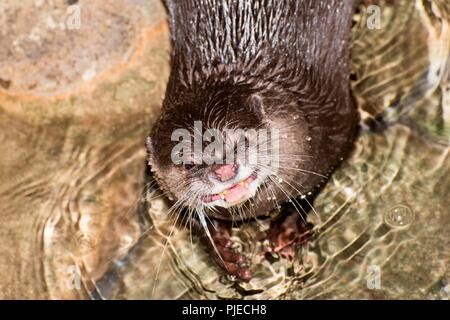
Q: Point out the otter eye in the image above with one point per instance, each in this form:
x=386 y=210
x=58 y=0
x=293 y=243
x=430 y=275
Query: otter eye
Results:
x=189 y=166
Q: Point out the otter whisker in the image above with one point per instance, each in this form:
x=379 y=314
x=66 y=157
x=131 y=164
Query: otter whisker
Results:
x=291 y=200
x=300 y=193
x=162 y=255
x=201 y=215
x=271 y=176
x=306 y=171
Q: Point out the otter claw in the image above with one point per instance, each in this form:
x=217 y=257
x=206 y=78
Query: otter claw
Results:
x=230 y=260
x=286 y=235
x=234 y=263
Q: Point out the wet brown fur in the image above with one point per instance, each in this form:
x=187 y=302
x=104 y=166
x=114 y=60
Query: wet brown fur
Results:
x=265 y=63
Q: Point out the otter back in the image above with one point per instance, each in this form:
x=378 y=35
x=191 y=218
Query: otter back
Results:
x=294 y=43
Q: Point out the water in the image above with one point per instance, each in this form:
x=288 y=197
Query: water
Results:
x=74 y=221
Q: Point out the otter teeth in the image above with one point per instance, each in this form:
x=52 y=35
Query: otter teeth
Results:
x=244 y=183
x=241 y=188
x=224 y=193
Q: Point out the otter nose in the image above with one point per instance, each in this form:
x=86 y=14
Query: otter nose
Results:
x=226 y=172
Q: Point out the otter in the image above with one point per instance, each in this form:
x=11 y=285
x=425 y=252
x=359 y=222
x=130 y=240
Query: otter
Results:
x=280 y=66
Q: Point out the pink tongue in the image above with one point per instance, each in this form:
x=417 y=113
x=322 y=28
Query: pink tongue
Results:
x=235 y=193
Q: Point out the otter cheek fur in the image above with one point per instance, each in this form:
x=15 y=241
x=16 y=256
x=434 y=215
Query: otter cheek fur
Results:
x=280 y=65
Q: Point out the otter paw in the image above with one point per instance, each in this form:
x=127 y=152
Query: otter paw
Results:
x=286 y=234
x=233 y=262
x=230 y=260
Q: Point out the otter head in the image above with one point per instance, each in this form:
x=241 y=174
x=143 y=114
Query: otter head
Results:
x=202 y=150
x=233 y=152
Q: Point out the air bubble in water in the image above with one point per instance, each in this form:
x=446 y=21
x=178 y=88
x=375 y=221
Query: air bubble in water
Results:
x=400 y=216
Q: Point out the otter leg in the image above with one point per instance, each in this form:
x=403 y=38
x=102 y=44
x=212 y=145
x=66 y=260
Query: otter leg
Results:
x=287 y=233
x=230 y=260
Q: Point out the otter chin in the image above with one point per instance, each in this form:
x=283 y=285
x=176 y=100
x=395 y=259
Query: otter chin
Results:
x=279 y=67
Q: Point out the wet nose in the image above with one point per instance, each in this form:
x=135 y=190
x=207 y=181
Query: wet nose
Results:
x=226 y=172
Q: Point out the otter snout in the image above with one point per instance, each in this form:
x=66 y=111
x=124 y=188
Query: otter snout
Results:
x=225 y=172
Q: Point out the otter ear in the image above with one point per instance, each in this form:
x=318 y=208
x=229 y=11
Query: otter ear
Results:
x=150 y=149
x=151 y=155
x=256 y=104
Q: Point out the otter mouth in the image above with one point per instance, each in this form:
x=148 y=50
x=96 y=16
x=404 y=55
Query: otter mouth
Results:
x=236 y=194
